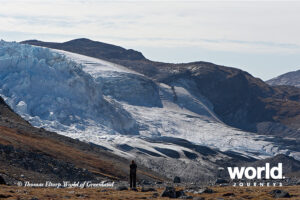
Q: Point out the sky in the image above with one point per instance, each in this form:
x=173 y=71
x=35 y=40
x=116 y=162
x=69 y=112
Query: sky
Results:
x=261 y=37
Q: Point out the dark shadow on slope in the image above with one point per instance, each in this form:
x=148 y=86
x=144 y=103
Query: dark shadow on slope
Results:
x=190 y=155
x=125 y=147
x=149 y=152
x=206 y=151
x=168 y=152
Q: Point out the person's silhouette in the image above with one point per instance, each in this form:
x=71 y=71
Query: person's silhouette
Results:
x=133 y=167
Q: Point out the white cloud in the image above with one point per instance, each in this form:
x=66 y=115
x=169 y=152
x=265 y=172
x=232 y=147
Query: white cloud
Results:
x=228 y=26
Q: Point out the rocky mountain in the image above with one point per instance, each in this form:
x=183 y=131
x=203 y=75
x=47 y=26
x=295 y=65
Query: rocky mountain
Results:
x=92 y=48
x=237 y=98
x=120 y=111
x=290 y=78
x=162 y=122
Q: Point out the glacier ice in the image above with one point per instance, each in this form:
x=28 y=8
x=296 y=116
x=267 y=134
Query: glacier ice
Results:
x=54 y=92
x=190 y=117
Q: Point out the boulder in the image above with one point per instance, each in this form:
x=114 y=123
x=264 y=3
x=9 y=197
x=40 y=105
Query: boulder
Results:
x=180 y=194
x=149 y=189
x=155 y=195
x=280 y=194
x=122 y=188
x=229 y=194
x=223 y=185
x=205 y=190
x=221 y=181
x=169 y=192
x=196 y=190
x=176 y=179
x=4 y=196
x=2 y=181
x=172 y=193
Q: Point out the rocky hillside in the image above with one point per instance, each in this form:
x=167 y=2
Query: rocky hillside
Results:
x=51 y=91
x=32 y=154
x=92 y=48
x=239 y=99
x=290 y=78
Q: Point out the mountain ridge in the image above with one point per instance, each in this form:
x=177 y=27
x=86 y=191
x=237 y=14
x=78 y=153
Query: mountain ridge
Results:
x=239 y=99
x=97 y=49
x=290 y=78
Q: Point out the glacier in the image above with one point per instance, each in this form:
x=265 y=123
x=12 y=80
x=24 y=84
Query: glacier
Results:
x=53 y=92
x=106 y=104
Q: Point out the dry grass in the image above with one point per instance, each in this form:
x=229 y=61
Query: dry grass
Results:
x=255 y=193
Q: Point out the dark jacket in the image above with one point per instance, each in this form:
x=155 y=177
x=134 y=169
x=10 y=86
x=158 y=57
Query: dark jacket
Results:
x=133 y=168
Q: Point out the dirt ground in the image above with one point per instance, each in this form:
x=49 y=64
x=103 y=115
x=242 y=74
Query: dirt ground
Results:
x=24 y=193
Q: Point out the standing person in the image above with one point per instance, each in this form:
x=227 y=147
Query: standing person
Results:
x=133 y=175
